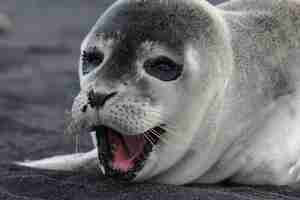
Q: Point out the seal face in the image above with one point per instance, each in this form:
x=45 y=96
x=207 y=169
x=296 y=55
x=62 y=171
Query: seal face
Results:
x=140 y=80
x=133 y=73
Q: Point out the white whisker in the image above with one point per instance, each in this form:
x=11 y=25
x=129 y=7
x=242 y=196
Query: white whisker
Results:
x=159 y=136
x=167 y=129
x=150 y=136
x=147 y=138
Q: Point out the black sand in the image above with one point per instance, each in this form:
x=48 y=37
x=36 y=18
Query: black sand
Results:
x=38 y=79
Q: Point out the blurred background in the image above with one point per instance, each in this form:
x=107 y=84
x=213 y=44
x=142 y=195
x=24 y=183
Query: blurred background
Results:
x=38 y=73
x=39 y=52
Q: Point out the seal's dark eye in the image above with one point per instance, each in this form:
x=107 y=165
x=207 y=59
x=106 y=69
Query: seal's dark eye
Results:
x=90 y=60
x=163 y=68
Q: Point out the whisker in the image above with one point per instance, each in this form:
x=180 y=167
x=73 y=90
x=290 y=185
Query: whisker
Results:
x=150 y=136
x=167 y=129
x=178 y=138
x=159 y=136
x=155 y=133
x=147 y=138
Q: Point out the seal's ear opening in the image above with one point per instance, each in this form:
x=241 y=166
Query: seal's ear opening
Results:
x=163 y=68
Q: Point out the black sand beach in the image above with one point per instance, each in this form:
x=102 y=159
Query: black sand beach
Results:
x=38 y=79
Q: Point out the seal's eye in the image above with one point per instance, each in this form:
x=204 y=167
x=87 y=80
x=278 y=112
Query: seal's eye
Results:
x=90 y=60
x=163 y=68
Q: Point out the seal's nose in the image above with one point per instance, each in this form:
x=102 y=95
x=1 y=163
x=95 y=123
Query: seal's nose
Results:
x=97 y=100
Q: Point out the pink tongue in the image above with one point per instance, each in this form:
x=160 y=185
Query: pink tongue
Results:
x=125 y=151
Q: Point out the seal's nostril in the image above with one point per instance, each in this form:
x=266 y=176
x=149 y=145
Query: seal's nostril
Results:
x=96 y=99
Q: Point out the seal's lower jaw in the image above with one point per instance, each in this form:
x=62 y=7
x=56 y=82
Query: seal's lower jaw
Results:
x=122 y=156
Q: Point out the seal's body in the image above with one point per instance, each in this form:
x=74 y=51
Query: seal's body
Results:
x=182 y=91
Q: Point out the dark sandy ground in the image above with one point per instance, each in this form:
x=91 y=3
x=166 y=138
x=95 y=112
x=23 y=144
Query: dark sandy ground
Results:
x=38 y=79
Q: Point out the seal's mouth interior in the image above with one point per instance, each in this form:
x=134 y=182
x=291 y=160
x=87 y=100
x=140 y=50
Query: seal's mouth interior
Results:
x=122 y=155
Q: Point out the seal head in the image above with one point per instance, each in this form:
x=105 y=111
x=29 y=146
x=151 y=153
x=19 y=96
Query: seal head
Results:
x=144 y=68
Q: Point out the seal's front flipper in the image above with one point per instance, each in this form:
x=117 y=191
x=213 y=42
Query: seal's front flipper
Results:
x=72 y=162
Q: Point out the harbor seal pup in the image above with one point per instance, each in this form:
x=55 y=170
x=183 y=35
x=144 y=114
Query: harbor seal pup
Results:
x=184 y=92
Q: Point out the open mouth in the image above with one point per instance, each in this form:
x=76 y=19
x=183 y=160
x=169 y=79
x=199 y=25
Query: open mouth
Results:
x=122 y=156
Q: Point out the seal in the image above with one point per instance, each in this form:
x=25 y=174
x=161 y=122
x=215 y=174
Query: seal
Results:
x=184 y=92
